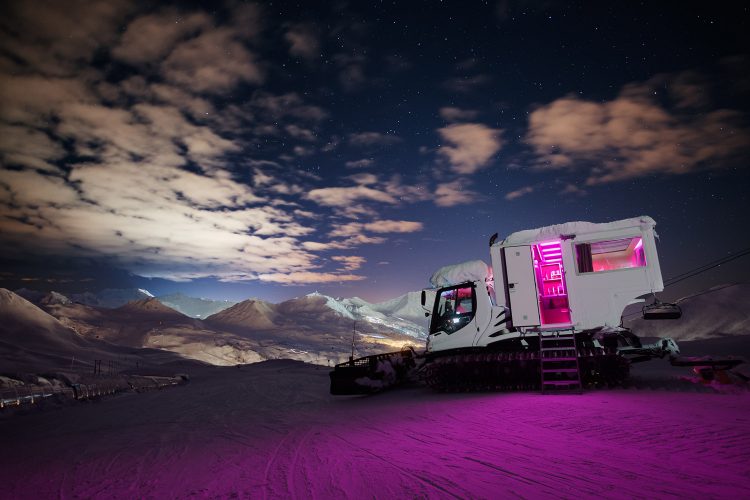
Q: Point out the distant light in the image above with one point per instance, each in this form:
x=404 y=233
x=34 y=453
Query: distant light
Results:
x=455 y=320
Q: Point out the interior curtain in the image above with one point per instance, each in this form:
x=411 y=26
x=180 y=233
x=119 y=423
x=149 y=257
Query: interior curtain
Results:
x=583 y=253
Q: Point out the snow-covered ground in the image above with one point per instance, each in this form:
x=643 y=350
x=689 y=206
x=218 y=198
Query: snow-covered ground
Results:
x=270 y=430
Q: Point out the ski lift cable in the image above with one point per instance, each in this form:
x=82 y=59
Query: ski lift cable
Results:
x=709 y=264
x=706 y=267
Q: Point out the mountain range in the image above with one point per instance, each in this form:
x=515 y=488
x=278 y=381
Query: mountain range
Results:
x=314 y=328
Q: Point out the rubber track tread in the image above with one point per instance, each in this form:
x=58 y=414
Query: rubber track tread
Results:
x=516 y=371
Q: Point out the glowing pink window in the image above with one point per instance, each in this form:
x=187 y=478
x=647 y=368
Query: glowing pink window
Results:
x=610 y=255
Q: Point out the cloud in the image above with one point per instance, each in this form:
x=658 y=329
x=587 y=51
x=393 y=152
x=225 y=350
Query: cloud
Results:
x=308 y=277
x=55 y=38
x=379 y=226
x=453 y=114
x=573 y=189
x=349 y=262
x=151 y=37
x=393 y=226
x=523 y=191
x=142 y=169
x=302 y=133
x=23 y=146
x=372 y=139
x=213 y=62
x=351 y=70
x=636 y=134
x=363 y=163
x=344 y=196
x=303 y=41
x=289 y=105
x=454 y=193
x=145 y=169
x=471 y=148
x=343 y=244
x=466 y=84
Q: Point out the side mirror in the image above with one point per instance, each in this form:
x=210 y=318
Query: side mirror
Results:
x=424 y=298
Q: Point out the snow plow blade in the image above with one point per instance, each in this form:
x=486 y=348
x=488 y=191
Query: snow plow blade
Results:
x=372 y=373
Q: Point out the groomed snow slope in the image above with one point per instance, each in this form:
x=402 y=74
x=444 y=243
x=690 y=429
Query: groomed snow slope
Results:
x=271 y=430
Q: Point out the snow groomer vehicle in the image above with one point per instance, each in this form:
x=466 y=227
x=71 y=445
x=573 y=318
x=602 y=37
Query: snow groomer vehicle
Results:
x=546 y=314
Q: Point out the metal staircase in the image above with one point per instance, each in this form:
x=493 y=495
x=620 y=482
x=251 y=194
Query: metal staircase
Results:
x=558 y=356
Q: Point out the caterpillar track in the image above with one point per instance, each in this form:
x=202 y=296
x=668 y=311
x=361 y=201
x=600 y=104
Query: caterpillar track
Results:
x=510 y=371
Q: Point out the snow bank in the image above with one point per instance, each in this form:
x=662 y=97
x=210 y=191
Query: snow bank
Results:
x=472 y=270
x=578 y=227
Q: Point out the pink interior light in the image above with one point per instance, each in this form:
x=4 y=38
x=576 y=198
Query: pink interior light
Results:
x=639 y=244
x=549 y=243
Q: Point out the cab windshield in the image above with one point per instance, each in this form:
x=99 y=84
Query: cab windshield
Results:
x=454 y=309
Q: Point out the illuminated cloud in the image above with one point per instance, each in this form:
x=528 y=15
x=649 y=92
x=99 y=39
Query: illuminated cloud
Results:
x=349 y=262
x=372 y=139
x=289 y=105
x=351 y=70
x=635 y=135
x=54 y=38
x=307 y=277
x=466 y=84
x=343 y=244
x=471 y=146
x=363 y=163
x=572 y=189
x=453 y=114
x=303 y=41
x=380 y=226
x=345 y=196
x=454 y=193
x=151 y=37
x=151 y=187
x=513 y=195
x=393 y=226
x=213 y=62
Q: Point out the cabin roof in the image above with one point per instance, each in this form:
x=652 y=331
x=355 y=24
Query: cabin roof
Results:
x=573 y=228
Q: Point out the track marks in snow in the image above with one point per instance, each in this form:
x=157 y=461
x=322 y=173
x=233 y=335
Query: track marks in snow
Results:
x=271 y=431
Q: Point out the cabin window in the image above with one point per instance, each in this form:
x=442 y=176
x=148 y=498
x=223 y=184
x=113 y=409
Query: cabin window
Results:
x=610 y=255
x=454 y=309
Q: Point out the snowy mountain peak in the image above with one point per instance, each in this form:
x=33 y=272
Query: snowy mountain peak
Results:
x=148 y=305
x=146 y=292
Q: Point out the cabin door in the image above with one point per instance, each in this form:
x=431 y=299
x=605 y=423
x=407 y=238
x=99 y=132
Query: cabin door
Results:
x=524 y=298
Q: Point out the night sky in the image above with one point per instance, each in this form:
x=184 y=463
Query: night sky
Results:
x=234 y=150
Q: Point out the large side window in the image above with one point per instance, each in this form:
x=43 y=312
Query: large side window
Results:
x=610 y=255
x=454 y=309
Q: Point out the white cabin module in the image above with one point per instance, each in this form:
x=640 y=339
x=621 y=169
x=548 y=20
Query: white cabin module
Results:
x=576 y=275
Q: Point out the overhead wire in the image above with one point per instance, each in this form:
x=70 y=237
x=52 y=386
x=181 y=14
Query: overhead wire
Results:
x=698 y=270
x=706 y=267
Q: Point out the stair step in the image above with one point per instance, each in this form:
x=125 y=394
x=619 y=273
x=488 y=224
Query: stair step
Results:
x=561 y=370
x=546 y=360
x=560 y=383
x=558 y=348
